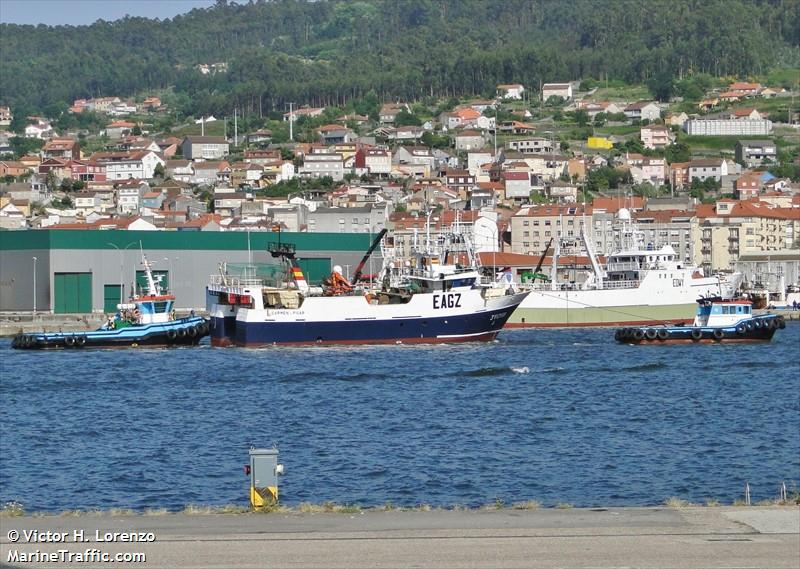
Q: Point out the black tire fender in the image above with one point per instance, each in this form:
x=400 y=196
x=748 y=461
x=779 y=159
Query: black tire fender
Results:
x=718 y=334
x=80 y=341
x=741 y=329
x=638 y=334
x=69 y=341
x=696 y=335
x=663 y=334
x=651 y=334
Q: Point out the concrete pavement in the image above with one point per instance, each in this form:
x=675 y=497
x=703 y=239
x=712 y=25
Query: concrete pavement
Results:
x=721 y=537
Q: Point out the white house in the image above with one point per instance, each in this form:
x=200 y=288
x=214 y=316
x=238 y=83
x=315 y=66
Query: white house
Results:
x=319 y=165
x=563 y=90
x=643 y=110
x=714 y=168
x=130 y=196
x=125 y=166
x=510 y=91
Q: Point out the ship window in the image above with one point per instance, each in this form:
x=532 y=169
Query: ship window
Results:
x=160 y=307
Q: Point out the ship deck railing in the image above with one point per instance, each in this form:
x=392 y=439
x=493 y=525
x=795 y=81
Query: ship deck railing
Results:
x=230 y=281
x=607 y=285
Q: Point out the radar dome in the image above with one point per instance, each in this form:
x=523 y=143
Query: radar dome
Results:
x=624 y=214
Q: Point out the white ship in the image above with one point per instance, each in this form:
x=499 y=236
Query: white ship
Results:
x=637 y=286
x=437 y=296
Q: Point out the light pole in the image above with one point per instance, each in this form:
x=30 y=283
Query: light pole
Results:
x=121 y=282
x=34 y=285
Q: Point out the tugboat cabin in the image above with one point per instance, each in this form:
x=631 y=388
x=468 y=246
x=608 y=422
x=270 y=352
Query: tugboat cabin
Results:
x=717 y=312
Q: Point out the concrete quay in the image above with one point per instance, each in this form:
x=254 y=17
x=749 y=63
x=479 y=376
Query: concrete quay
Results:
x=694 y=537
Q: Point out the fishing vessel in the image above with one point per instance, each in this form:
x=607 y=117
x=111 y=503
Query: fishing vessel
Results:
x=637 y=285
x=717 y=320
x=147 y=320
x=438 y=295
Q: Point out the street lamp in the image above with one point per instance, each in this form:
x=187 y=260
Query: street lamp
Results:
x=121 y=282
x=34 y=285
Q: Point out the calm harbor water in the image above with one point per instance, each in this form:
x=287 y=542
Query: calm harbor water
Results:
x=553 y=415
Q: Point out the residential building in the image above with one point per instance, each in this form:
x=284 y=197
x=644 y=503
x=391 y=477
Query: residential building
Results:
x=13 y=168
x=746 y=89
x=377 y=161
x=322 y=164
x=205 y=147
x=310 y=112
x=181 y=170
x=654 y=170
x=211 y=172
x=532 y=227
x=655 y=136
x=335 y=134
x=477 y=158
x=643 y=110
x=119 y=129
x=751 y=153
x=130 y=195
x=747 y=186
x=261 y=136
x=66 y=148
x=564 y=192
x=676 y=119
x=40 y=128
x=360 y=219
x=469 y=140
x=727 y=127
x=532 y=145
x=510 y=91
x=127 y=165
x=418 y=161
x=732 y=229
x=88 y=171
x=563 y=90
x=461 y=181
x=702 y=170
x=746 y=114
x=518 y=185
x=5 y=116
x=388 y=113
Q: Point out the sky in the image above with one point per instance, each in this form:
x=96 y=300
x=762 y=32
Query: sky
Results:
x=84 y=12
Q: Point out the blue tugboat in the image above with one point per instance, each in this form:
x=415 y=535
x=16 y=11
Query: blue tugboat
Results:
x=147 y=320
x=716 y=321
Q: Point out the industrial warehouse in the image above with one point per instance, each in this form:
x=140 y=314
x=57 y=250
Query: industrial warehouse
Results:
x=80 y=272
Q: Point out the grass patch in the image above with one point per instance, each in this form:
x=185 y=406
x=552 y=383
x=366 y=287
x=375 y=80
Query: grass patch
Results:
x=675 y=502
x=195 y=510
x=564 y=506
x=527 y=505
x=216 y=128
x=619 y=130
x=712 y=503
x=717 y=143
x=631 y=93
x=328 y=508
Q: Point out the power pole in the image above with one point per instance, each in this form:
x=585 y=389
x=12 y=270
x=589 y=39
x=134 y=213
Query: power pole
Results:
x=291 y=121
x=235 y=127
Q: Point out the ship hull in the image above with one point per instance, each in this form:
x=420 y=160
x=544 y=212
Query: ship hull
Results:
x=347 y=321
x=757 y=329
x=662 y=297
x=182 y=332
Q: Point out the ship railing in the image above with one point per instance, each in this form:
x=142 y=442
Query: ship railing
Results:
x=608 y=285
x=230 y=281
x=622 y=266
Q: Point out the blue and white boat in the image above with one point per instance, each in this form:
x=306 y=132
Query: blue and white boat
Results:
x=717 y=320
x=436 y=296
x=147 y=320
